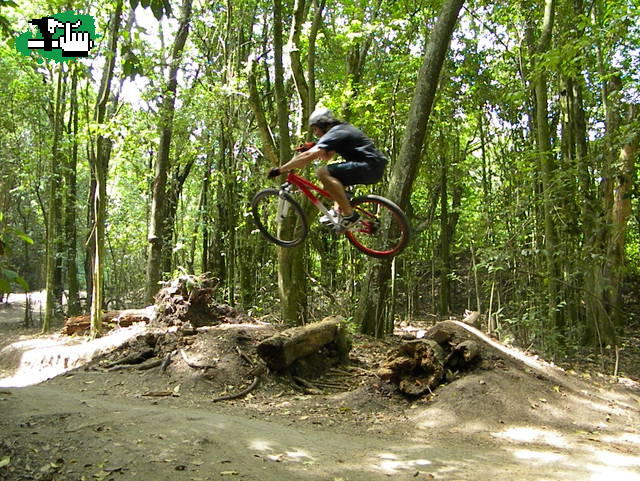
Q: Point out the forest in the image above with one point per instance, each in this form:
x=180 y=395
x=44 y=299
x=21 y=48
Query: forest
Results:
x=512 y=131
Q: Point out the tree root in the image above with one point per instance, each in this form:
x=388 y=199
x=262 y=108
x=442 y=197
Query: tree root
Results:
x=256 y=371
x=319 y=385
x=300 y=384
x=137 y=357
x=148 y=364
x=166 y=361
x=254 y=384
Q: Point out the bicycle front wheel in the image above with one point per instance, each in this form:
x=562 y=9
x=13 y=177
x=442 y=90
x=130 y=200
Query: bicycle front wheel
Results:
x=279 y=217
x=383 y=229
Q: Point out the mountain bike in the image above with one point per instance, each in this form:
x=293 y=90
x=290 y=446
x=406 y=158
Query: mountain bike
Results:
x=382 y=230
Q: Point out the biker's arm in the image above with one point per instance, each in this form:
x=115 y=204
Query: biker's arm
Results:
x=304 y=158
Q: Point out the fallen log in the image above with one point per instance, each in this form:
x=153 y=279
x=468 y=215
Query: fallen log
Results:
x=282 y=350
x=80 y=325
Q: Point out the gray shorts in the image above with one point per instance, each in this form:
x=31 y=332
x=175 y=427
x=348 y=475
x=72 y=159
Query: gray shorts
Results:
x=352 y=173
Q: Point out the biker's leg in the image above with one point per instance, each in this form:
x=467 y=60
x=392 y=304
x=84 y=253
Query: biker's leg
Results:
x=336 y=190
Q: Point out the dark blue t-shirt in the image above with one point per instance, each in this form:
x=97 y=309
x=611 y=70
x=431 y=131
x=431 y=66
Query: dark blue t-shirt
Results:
x=352 y=145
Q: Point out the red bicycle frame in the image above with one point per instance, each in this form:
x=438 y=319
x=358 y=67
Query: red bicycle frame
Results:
x=306 y=187
x=382 y=229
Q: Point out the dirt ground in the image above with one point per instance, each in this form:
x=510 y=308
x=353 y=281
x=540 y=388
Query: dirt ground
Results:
x=508 y=419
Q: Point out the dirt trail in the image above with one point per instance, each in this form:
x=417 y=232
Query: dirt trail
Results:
x=507 y=422
x=96 y=436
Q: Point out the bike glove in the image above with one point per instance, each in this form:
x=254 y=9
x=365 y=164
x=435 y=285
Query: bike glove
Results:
x=273 y=173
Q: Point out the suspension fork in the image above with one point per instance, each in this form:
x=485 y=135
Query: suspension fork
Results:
x=283 y=205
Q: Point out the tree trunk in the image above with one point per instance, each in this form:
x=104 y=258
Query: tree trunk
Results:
x=73 y=302
x=100 y=168
x=374 y=292
x=445 y=241
x=580 y=198
x=61 y=156
x=603 y=305
x=157 y=235
x=620 y=213
x=302 y=87
x=54 y=184
x=547 y=171
x=174 y=191
x=311 y=59
x=292 y=281
x=205 y=211
x=268 y=145
x=282 y=109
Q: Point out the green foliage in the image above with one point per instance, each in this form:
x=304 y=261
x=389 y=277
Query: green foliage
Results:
x=5 y=23
x=160 y=8
x=480 y=161
x=8 y=277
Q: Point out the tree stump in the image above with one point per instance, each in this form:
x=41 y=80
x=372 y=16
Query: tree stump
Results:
x=190 y=301
x=282 y=350
x=418 y=366
x=463 y=355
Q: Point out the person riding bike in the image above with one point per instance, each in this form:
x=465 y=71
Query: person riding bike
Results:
x=363 y=163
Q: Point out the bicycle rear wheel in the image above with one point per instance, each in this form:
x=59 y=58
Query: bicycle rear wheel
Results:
x=383 y=229
x=279 y=217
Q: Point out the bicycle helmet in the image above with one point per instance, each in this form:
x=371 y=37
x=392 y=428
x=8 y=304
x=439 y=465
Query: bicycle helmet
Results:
x=322 y=117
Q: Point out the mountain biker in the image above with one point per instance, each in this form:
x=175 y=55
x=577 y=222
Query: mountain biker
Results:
x=363 y=163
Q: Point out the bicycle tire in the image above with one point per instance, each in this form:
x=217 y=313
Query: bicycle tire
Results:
x=383 y=230
x=288 y=233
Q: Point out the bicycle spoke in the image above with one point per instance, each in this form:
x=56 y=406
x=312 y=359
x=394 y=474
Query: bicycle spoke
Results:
x=382 y=231
x=279 y=217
